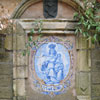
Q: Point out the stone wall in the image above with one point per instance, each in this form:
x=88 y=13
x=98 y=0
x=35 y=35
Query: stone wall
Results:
x=7 y=6
x=95 y=74
x=6 y=53
x=13 y=72
x=83 y=74
x=6 y=71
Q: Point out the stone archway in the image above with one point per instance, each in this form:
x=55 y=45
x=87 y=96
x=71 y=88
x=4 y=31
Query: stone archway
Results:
x=60 y=28
x=75 y=4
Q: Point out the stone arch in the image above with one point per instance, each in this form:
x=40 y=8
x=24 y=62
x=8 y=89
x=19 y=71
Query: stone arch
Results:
x=75 y=4
x=50 y=27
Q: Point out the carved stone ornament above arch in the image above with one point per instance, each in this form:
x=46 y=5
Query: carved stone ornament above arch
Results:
x=26 y=9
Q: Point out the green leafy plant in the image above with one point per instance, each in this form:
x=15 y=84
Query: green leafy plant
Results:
x=37 y=28
x=89 y=22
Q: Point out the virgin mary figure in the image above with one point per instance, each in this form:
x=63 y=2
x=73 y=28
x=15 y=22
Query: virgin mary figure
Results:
x=53 y=66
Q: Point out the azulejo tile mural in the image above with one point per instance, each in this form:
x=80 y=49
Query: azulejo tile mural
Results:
x=51 y=66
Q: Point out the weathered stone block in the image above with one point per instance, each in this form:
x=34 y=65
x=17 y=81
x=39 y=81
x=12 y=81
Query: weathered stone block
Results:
x=82 y=60
x=14 y=72
x=14 y=58
x=21 y=72
x=89 y=59
x=81 y=43
x=5 y=92
x=8 y=42
x=83 y=83
x=95 y=77
x=14 y=98
x=21 y=42
x=20 y=87
x=5 y=81
x=95 y=65
x=21 y=60
x=14 y=42
x=5 y=69
x=96 y=54
x=6 y=57
x=21 y=98
x=95 y=98
x=1 y=43
x=90 y=44
x=19 y=29
x=15 y=88
x=95 y=90
x=83 y=97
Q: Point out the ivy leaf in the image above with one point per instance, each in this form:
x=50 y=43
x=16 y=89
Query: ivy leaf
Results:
x=39 y=31
x=24 y=53
x=80 y=30
x=85 y=24
x=89 y=27
x=98 y=28
x=34 y=43
x=82 y=18
x=28 y=52
x=32 y=31
x=30 y=38
x=41 y=22
x=29 y=44
x=40 y=35
x=76 y=31
x=95 y=37
x=92 y=40
x=97 y=16
x=79 y=23
x=85 y=34
x=76 y=15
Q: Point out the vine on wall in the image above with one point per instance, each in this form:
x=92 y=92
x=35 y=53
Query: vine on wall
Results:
x=38 y=24
x=89 y=22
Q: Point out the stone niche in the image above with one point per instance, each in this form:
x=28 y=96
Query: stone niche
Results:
x=58 y=67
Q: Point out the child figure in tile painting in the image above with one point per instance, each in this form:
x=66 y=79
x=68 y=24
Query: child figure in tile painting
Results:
x=53 y=66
